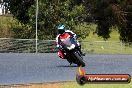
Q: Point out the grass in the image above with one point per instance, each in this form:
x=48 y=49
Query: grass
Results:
x=108 y=47
x=96 y=45
x=74 y=85
x=68 y=85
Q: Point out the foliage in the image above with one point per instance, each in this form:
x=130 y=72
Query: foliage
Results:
x=104 y=13
x=108 y=13
x=5 y=26
x=19 y=9
x=51 y=13
x=22 y=31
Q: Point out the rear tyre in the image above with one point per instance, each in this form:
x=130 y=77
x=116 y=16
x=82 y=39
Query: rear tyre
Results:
x=79 y=60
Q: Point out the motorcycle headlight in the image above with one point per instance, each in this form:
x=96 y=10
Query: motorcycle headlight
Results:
x=71 y=47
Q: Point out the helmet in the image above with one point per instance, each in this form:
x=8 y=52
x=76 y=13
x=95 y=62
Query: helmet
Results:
x=61 y=29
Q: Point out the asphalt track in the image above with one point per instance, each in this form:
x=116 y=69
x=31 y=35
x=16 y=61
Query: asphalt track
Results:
x=40 y=68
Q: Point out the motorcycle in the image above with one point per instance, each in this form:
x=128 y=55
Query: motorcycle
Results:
x=70 y=48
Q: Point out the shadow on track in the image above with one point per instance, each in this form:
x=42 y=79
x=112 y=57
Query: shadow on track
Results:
x=67 y=66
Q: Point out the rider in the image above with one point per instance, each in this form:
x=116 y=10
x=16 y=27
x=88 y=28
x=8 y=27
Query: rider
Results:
x=62 y=35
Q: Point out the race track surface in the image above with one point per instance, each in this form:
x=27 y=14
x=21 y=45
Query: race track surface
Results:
x=40 y=68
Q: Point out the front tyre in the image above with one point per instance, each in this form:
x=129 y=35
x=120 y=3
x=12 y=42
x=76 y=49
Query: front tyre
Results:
x=79 y=60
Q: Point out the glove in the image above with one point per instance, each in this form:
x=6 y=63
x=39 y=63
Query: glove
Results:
x=64 y=47
x=75 y=37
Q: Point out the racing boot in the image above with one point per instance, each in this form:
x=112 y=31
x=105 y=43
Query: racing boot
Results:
x=79 y=48
x=69 y=61
x=83 y=54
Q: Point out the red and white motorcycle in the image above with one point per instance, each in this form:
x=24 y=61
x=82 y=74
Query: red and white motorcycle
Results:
x=70 y=48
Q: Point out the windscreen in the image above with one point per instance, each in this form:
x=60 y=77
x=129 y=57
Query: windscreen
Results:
x=69 y=41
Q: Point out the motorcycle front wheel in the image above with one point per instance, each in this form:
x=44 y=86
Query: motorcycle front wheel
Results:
x=79 y=60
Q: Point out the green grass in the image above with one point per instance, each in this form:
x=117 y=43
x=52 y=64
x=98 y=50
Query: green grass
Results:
x=109 y=47
x=114 y=35
x=99 y=86
x=96 y=45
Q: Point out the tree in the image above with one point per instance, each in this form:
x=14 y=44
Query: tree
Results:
x=108 y=13
x=51 y=13
x=19 y=9
x=3 y=4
